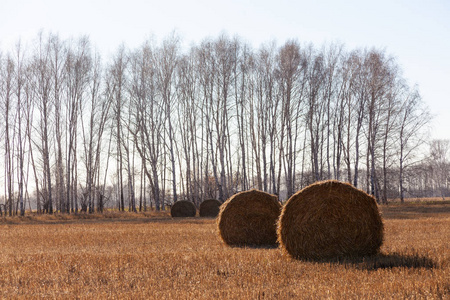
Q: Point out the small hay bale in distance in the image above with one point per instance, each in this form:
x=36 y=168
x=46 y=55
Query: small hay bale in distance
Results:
x=330 y=219
x=249 y=219
x=209 y=208
x=182 y=209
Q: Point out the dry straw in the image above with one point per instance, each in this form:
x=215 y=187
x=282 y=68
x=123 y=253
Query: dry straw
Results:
x=249 y=218
x=183 y=208
x=209 y=208
x=330 y=219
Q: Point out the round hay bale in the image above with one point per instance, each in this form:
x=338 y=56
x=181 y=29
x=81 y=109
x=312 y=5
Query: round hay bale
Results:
x=209 y=208
x=183 y=208
x=330 y=219
x=249 y=218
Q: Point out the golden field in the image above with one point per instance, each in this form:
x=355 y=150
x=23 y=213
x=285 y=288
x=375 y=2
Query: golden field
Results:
x=152 y=256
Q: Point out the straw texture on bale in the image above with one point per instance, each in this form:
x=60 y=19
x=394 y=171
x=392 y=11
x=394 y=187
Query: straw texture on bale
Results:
x=330 y=219
x=249 y=218
x=183 y=208
x=209 y=208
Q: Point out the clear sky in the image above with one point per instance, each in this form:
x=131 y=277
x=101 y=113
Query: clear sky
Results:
x=415 y=32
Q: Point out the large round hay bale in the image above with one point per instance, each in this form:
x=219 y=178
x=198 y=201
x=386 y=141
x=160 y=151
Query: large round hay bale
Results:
x=209 y=208
x=330 y=219
x=249 y=218
x=183 y=208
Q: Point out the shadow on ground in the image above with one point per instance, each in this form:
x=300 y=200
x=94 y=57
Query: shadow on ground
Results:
x=255 y=246
x=99 y=219
x=415 y=211
x=386 y=261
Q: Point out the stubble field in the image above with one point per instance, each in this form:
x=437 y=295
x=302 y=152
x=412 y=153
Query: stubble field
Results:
x=155 y=257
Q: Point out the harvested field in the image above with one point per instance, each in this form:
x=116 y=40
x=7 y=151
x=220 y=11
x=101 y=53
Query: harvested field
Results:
x=415 y=210
x=157 y=257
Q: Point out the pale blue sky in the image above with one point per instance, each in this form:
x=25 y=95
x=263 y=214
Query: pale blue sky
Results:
x=416 y=32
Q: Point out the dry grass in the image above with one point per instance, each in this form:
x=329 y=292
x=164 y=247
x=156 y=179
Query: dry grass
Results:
x=57 y=218
x=422 y=200
x=156 y=257
x=416 y=210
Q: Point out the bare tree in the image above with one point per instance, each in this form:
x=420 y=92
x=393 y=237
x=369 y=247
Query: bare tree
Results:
x=345 y=124
x=148 y=121
x=7 y=93
x=93 y=114
x=207 y=74
x=413 y=117
x=380 y=78
x=389 y=129
x=315 y=113
x=224 y=58
x=291 y=66
x=166 y=60
x=268 y=110
x=19 y=91
x=439 y=151
x=56 y=60
x=98 y=101
x=242 y=90
x=188 y=120
x=78 y=66
x=263 y=87
x=116 y=93
x=359 y=88
x=206 y=123
x=29 y=117
x=334 y=110
x=216 y=61
x=42 y=81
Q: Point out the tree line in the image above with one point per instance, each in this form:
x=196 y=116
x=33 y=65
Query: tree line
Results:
x=159 y=123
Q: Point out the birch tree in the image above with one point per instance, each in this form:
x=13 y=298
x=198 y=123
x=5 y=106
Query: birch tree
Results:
x=42 y=78
x=21 y=140
x=147 y=131
x=188 y=123
x=166 y=60
x=116 y=94
x=7 y=102
x=291 y=64
x=413 y=117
